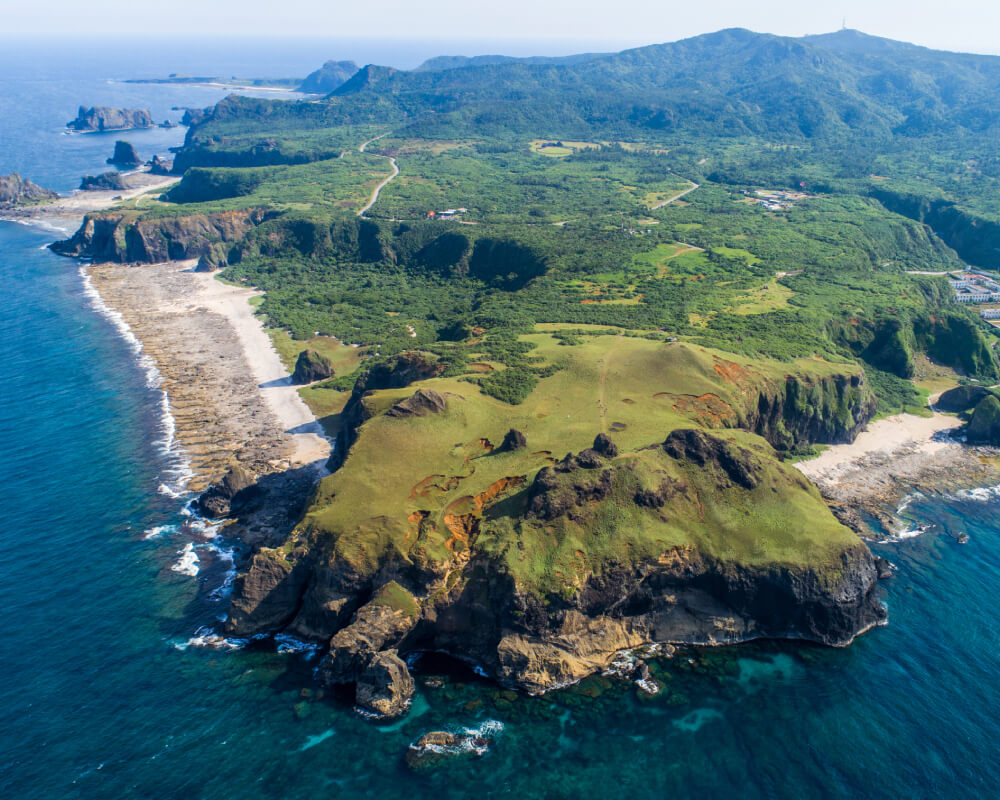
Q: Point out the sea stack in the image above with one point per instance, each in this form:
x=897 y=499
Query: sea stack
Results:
x=124 y=155
x=102 y=118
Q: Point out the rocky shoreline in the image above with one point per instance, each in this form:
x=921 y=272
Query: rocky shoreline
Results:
x=866 y=482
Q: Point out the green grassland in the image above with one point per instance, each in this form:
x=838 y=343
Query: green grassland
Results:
x=404 y=478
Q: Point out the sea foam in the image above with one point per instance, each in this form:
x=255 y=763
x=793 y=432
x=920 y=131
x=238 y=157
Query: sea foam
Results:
x=178 y=473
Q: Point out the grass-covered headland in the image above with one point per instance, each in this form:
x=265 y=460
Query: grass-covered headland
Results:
x=578 y=336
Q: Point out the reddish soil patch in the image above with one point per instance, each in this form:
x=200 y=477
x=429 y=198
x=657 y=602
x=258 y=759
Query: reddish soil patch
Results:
x=710 y=409
x=478 y=366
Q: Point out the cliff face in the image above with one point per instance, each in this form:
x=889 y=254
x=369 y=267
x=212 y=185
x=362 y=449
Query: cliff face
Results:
x=102 y=118
x=122 y=238
x=473 y=603
x=804 y=411
x=976 y=240
x=14 y=190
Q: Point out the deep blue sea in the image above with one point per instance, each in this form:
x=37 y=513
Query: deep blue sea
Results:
x=101 y=695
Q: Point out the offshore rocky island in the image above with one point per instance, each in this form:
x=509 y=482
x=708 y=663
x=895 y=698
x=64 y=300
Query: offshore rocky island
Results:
x=565 y=354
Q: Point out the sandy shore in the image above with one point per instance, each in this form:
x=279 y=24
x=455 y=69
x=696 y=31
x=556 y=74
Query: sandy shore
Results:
x=890 y=459
x=230 y=395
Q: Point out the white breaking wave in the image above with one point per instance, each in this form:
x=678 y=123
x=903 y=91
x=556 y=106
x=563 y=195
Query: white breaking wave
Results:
x=188 y=562
x=159 y=530
x=180 y=470
x=206 y=637
x=981 y=495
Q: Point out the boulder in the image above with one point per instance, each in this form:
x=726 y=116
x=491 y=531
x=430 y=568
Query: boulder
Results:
x=513 y=440
x=984 y=427
x=102 y=118
x=311 y=366
x=15 y=190
x=385 y=687
x=961 y=398
x=604 y=446
x=109 y=181
x=420 y=404
x=125 y=155
x=231 y=495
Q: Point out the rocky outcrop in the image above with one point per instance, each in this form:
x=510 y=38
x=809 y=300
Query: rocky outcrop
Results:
x=311 y=366
x=232 y=495
x=124 y=155
x=513 y=440
x=123 y=238
x=102 y=118
x=984 y=427
x=108 y=181
x=419 y=404
x=160 y=166
x=15 y=190
x=962 y=398
x=401 y=370
x=385 y=687
x=697 y=447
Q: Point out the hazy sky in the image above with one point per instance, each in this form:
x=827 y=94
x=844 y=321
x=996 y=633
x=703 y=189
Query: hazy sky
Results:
x=954 y=24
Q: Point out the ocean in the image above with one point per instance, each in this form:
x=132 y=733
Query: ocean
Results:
x=109 y=591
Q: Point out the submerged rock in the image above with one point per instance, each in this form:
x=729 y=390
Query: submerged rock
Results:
x=311 y=366
x=124 y=155
x=439 y=747
x=103 y=118
x=108 y=181
x=385 y=687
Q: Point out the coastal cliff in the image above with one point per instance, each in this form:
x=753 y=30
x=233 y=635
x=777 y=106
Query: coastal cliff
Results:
x=101 y=118
x=121 y=237
x=15 y=190
x=540 y=569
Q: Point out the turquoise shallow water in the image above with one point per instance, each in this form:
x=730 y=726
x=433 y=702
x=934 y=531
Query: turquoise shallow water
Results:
x=100 y=698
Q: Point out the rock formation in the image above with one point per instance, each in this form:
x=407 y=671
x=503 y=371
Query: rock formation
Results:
x=108 y=181
x=160 y=166
x=513 y=440
x=114 y=236
x=124 y=155
x=962 y=398
x=385 y=687
x=984 y=427
x=311 y=366
x=15 y=190
x=420 y=404
x=231 y=495
x=102 y=118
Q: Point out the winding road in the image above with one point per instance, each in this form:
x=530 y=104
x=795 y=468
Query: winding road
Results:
x=386 y=182
x=677 y=196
